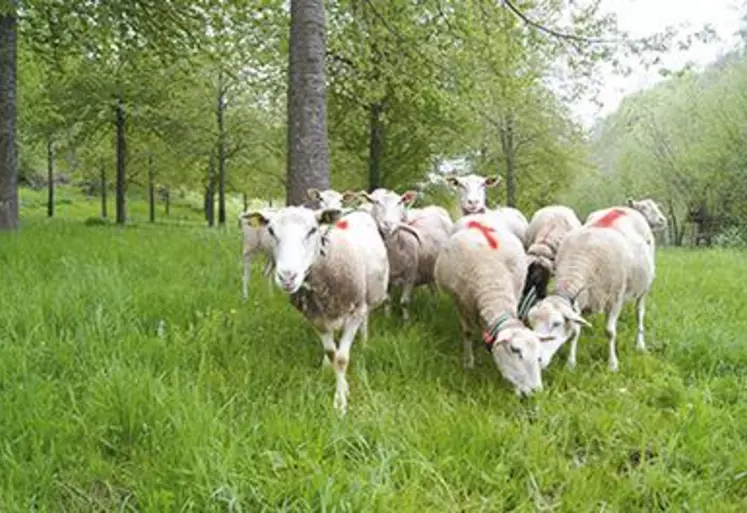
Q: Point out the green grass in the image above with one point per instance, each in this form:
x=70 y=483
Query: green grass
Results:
x=227 y=407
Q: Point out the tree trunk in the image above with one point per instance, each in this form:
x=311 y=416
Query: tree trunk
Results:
x=375 y=145
x=8 y=147
x=121 y=185
x=50 y=178
x=308 y=146
x=167 y=202
x=103 y=190
x=246 y=201
x=219 y=113
x=210 y=193
x=151 y=190
x=509 y=150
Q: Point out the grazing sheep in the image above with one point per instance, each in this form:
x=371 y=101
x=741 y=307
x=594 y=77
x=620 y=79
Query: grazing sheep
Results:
x=335 y=275
x=483 y=266
x=256 y=240
x=412 y=241
x=651 y=211
x=598 y=269
x=545 y=233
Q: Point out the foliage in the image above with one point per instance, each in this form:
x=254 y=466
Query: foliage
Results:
x=681 y=143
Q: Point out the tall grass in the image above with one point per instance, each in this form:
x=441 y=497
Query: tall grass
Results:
x=133 y=378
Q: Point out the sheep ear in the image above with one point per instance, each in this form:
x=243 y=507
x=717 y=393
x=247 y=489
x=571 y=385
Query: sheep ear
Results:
x=255 y=219
x=329 y=215
x=453 y=181
x=579 y=320
x=492 y=181
x=409 y=198
x=314 y=194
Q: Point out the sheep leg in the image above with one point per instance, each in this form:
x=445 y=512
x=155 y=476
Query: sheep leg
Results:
x=611 y=329
x=247 y=259
x=640 y=306
x=404 y=301
x=328 y=342
x=574 y=346
x=267 y=271
x=364 y=329
x=342 y=358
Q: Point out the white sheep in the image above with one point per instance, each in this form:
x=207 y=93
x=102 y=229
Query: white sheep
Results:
x=628 y=221
x=413 y=239
x=328 y=198
x=545 y=233
x=483 y=266
x=651 y=211
x=598 y=269
x=256 y=240
x=336 y=272
x=472 y=200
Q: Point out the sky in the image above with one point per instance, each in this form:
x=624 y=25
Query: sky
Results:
x=644 y=17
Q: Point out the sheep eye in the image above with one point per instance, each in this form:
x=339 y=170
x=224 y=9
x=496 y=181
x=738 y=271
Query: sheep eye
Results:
x=515 y=350
x=311 y=232
x=271 y=231
x=556 y=325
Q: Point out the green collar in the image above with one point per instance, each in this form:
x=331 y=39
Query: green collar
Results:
x=491 y=334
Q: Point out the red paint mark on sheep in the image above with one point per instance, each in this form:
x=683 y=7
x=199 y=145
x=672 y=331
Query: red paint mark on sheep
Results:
x=487 y=231
x=608 y=219
x=342 y=225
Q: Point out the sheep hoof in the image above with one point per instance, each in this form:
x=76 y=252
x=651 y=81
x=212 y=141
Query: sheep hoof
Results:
x=571 y=364
x=614 y=366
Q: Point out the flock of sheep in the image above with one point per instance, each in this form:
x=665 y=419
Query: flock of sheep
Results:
x=339 y=264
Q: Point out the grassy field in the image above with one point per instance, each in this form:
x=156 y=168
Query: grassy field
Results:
x=133 y=378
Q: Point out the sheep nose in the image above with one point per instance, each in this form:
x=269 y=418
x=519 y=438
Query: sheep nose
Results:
x=286 y=276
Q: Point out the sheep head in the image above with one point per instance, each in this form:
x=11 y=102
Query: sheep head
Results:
x=555 y=322
x=472 y=191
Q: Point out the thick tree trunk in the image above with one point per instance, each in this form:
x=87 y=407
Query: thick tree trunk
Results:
x=308 y=146
x=167 y=202
x=210 y=193
x=509 y=150
x=121 y=185
x=151 y=190
x=375 y=145
x=103 y=191
x=219 y=113
x=8 y=147
x=50 y=178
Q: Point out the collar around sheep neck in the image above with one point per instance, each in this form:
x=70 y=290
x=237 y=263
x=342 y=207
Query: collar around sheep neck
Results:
x=490 y=335
x=566 y=294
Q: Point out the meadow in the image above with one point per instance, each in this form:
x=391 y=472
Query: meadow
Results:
x=134 y=378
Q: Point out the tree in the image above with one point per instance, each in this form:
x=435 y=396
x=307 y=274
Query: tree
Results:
x=308 y=146
x=8 y=144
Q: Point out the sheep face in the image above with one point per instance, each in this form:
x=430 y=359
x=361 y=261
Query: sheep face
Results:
x=472 y=191
x=389 y=209
x=651 y=211
x=554 y=322
x=516 y=353
x=297 y=232
x=327 y=199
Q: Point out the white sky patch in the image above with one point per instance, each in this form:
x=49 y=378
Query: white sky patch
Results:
x=644 y=17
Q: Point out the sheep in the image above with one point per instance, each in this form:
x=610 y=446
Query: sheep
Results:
x=336 y=272
x=545 y=233
x=598 y=269
x=628 y=221
x=483 y=267
x=651 y=211
x=256 y=240
x=328 y=198
x=472 y=201
x=412 y=241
